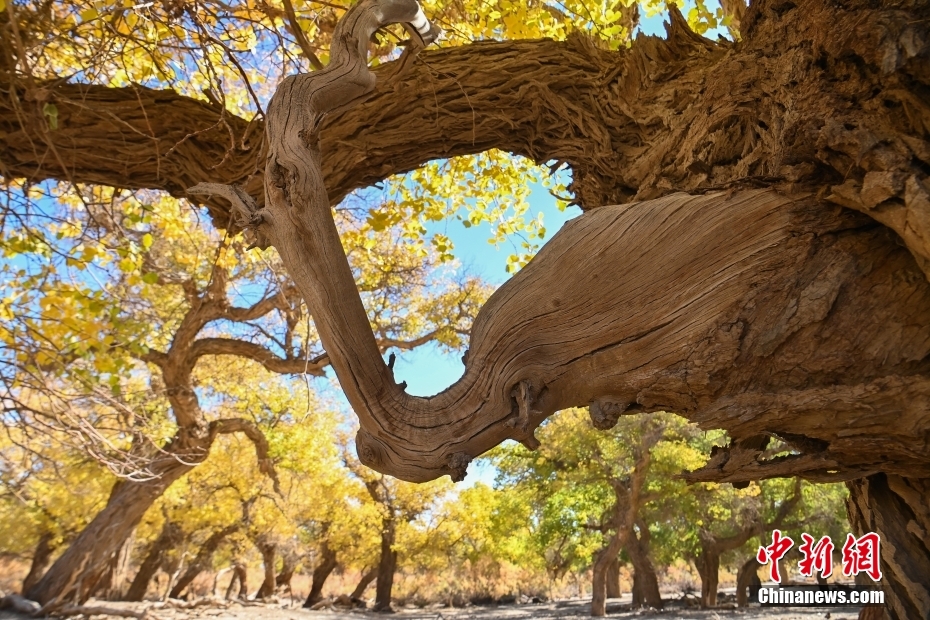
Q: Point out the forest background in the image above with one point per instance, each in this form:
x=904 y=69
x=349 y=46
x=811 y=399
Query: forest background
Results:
x=133 y=323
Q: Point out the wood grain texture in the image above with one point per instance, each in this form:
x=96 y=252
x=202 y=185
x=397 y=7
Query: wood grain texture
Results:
x=754 y=311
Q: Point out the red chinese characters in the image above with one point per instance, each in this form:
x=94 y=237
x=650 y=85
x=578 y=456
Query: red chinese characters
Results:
x=774 y=552
x=817 y=557
x=862 y=556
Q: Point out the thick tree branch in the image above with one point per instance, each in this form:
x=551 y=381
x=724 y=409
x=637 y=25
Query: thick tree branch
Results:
x=724 y=296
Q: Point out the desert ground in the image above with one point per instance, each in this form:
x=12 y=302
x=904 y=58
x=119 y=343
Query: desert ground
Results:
x=575 y=609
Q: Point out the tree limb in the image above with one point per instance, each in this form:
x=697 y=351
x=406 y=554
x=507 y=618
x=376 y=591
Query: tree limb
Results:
x=248 y=428
x=258 y=353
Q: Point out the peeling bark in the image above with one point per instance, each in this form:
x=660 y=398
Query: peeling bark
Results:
x=740 y=311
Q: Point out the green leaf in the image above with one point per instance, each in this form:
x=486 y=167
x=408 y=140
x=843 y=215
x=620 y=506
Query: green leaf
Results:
x=51 y=112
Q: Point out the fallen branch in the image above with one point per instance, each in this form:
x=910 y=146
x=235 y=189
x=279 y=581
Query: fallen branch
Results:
x=19 y=604
x=88 y=611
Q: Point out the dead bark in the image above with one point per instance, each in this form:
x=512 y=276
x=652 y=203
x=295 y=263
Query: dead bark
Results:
x=898 y=510
x=322 y=571
x=168 y=539
x=203 y=560
x=40 y=560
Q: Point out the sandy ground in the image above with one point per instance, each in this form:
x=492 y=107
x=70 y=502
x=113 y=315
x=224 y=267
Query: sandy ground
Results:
x=567 y=610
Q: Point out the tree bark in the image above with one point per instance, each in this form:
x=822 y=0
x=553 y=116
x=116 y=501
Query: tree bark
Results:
x=386 y=566
x=613 y=579
x=76 y=573
x=599 y=572
x=531 y=356
x=708 y=567
x=363 y=583
x=898 y=510
x=289 y=562
x=268 y=550
x=241 y=578
x=747 y=582
x=645 y=581
x=168 y=539
x=328 y=563
x=624 y=513
x=40 y=560
x=203 y=560
x=758 y=313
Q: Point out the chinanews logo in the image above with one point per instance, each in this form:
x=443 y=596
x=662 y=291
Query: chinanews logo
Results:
x=859 y=556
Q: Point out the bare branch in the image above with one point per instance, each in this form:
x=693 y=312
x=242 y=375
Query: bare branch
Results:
x=258 y=353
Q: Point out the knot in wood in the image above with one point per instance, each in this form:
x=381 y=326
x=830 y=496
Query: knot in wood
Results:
x=458 y=464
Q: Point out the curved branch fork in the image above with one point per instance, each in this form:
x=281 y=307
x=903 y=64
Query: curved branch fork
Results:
x=754 y=312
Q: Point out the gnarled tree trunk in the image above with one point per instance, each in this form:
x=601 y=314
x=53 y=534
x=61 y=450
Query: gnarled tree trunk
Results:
x=269 y=553
x=707 y=563
x=624 y=513
x=645 y=581
x=75 y=575
x=322 y=571
x=239 y=584
x=289 y=562
x=363 y=583
x=898 y=510
x=747 y=582
x=168 y=539
x=40 y=560
x=202 y=560
x=612 y=578
x=387 y=565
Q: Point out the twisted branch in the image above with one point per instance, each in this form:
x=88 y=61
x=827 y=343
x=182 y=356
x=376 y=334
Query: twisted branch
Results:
x=682 y=303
